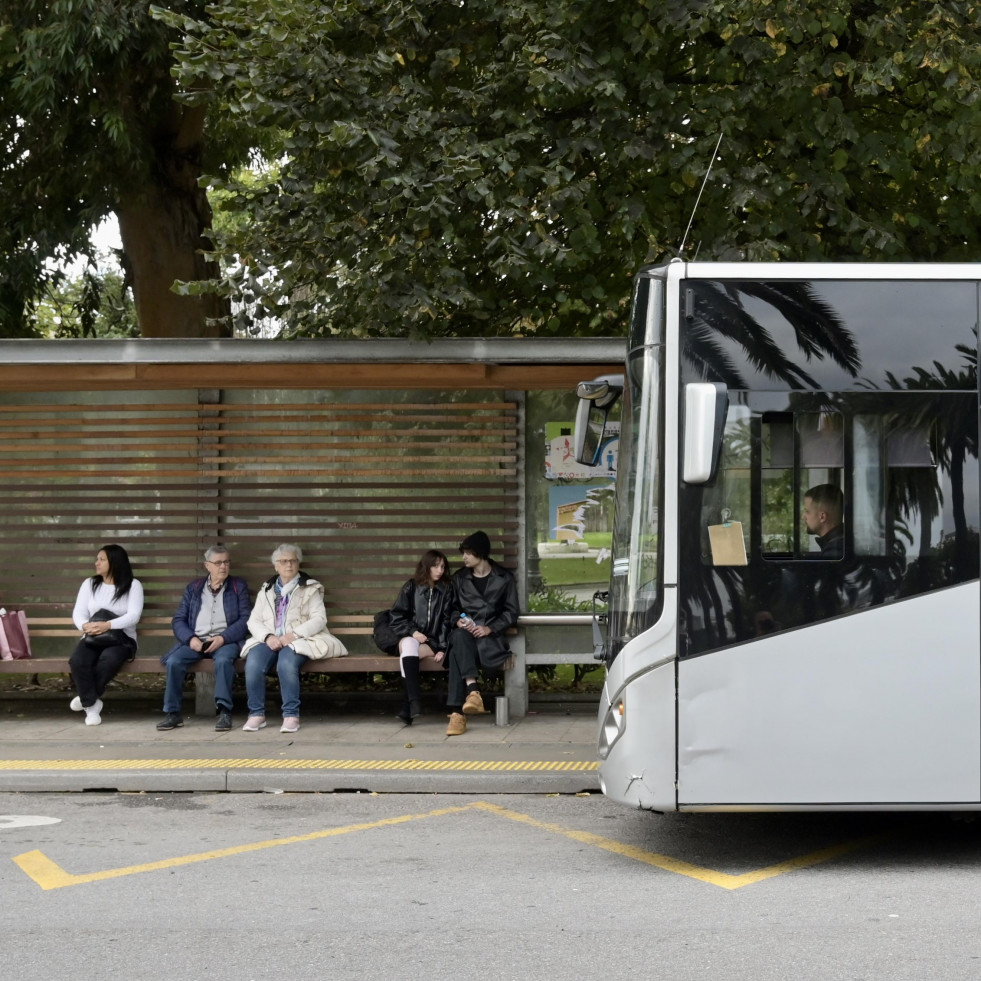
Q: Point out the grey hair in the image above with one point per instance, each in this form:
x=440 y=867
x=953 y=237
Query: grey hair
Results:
x=219 y=549
x=282 y=550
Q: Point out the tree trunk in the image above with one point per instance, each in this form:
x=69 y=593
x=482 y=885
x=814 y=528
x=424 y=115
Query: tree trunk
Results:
x=162 y=244
x=161 y=225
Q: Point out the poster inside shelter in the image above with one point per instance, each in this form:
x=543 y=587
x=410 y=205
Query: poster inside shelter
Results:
x=560 y=461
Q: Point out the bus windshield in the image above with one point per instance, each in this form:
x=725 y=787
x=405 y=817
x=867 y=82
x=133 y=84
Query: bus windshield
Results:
x=635 y=584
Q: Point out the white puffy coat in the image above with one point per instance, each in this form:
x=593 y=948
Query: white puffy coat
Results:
x=306 y=618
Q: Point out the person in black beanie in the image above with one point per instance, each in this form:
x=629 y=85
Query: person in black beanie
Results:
x=485 y=606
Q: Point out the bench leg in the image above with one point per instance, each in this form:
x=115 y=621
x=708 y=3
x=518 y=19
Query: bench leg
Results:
x=204 y=693
x=516 y=679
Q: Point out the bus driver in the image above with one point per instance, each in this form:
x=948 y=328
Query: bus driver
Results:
x=822 y=514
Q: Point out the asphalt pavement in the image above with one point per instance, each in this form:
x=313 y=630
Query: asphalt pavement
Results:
x=352 y=745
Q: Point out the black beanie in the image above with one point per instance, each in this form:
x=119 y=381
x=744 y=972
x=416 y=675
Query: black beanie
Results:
x=478 y=543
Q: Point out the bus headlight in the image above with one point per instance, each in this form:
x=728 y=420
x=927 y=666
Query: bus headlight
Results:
x=614 y=723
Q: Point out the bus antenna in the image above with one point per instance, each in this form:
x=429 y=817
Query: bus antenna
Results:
x=681 y=248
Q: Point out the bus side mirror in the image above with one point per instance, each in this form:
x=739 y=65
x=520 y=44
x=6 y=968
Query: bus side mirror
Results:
x=595 y=400
x=705 y=416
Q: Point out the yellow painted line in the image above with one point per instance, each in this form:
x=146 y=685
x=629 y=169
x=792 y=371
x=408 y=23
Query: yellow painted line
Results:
x=49 y=875
x=264 y=764
x=723 y=880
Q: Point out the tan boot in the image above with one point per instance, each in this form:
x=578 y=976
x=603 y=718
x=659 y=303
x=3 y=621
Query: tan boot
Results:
x=458 y=724
x=474 y=705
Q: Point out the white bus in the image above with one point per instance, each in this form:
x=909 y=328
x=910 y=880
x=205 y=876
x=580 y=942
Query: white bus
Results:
x=793 y=617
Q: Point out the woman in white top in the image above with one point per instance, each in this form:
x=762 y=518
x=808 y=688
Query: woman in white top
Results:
x=107 y=643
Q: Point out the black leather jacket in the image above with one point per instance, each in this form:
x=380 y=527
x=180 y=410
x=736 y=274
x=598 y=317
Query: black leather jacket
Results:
x=424 y=609
x=496 y=607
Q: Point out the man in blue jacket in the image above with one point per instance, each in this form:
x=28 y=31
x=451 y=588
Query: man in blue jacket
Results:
x=211 y=621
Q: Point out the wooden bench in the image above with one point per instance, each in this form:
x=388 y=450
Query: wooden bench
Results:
x=515 y=670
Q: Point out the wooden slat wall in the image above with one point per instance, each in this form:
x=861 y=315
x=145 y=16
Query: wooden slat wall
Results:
x=364 y=487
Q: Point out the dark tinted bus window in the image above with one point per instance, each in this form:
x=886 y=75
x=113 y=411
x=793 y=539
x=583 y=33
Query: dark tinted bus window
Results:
x=904 y=467
x=827 y=336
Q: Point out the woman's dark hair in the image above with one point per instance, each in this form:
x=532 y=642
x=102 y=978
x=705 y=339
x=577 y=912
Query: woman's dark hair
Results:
x=428 y=560
x=120 y=571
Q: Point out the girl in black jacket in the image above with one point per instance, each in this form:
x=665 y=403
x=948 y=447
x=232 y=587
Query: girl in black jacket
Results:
x=421 y=618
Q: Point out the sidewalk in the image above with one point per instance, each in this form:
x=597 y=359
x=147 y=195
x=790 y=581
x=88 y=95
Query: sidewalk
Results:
x=44 y=747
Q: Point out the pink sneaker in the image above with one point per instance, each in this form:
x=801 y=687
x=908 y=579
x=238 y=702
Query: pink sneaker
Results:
x=291 y=723
x=254 y=723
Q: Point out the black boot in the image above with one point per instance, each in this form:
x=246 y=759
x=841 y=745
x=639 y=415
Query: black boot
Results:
x=412 y=707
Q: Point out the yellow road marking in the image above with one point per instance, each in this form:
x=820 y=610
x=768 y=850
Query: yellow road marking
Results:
x=723 y=880
x=49 y=875
x=266 y=764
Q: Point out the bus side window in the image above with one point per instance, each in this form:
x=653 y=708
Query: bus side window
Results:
x=896 y=486
x=730 y=494
x=798 y=451
x=821 y=437
x=777 y=465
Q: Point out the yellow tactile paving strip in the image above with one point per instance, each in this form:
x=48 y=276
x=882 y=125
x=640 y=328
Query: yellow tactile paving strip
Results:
x=506 y=766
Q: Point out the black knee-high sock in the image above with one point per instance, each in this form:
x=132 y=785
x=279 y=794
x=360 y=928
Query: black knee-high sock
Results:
x=410 y=678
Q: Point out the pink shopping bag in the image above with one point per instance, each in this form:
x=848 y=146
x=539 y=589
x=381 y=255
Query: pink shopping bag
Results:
x=15 y=641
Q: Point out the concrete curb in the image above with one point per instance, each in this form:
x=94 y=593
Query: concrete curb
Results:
x=123 y=781
x=248 y=781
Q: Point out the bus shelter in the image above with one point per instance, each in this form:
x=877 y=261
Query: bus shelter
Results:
x=365 y=453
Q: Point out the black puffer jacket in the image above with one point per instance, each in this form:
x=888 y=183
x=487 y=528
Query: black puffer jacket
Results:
x=426 y=609
x=496 y=607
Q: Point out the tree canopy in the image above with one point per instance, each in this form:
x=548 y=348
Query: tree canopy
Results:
x=482 y=167
x=89 y=126
x=90 y=302
x=458 y=168
x=503 y=166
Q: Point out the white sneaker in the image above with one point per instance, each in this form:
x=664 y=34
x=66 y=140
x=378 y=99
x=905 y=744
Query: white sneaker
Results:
x=291 y=723
x=254 y=723
x=93 y=714
x=75 y=704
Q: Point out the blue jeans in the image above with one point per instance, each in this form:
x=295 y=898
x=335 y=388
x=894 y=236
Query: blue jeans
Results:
x=259 y=662
x=180 y=660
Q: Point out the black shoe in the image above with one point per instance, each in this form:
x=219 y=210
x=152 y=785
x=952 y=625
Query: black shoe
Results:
x=411 y=709
x=224 y=722
x=172 y=720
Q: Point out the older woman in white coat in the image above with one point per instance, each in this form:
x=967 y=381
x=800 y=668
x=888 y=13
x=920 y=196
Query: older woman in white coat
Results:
x=288 y=627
